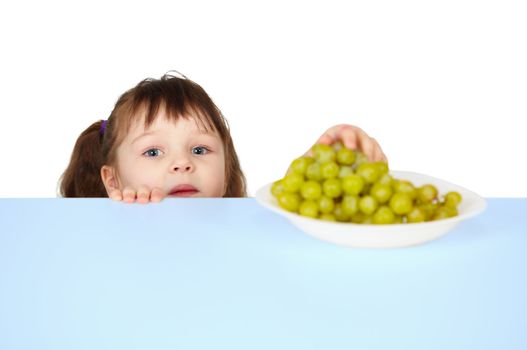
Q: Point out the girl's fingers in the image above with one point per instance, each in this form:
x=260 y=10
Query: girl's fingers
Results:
x=348 y=135
x=143 y=195
x=157 y=195
x=129 y=195
x=367 y=146
x=379 y=154
x=116 y=195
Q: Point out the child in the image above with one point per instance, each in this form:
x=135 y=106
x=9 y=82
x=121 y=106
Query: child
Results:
x=167 y=138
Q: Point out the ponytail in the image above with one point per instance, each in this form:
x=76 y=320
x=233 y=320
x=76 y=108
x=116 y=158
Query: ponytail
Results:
x=82 y=177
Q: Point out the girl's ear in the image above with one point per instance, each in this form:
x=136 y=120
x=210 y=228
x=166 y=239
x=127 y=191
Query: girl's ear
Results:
x=109 y=178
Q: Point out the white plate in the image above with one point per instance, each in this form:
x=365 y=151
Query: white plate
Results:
x=382 y=236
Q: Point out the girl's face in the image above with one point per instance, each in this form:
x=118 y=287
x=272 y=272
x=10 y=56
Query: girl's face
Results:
x=175 y=156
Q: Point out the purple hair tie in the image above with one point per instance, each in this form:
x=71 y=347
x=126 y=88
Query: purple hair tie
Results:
x=103 y=127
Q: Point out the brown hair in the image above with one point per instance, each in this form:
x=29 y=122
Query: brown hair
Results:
x=179 y=97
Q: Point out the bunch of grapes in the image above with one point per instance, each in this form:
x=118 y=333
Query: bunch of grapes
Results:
x=339 y=184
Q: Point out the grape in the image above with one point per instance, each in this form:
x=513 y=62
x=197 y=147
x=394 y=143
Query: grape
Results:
x=416 y=215
x=323 y=153
x=382 y=193
x=452 y=199
x=441 y=213
x=368 y=205
x=337 y=146
x=426 y=193
x=350 y=204
x=292 y=182
x=404 y=186
x=401 y=203
x=382 y=168
x=308 y=208
x=277 y=188
x=345 y=156
x=313 y=172
x=384 y=215
x=332 y=188
x=289 y=201
x=328 y=217
x=358 y=217
x=326 y=205
x=329 y=170
x=311 y=190
x=340 y=215
x=299 y=165
x=385 y=179
x=345 y=170
x=352 y=184
x=369 y=172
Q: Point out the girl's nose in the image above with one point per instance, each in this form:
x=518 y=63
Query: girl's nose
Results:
x=182 y=167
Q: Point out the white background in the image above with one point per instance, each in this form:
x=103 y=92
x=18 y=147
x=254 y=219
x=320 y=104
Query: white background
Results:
x=441 y=84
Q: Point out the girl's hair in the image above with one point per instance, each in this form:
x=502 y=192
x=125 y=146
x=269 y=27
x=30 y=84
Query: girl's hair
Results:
x=97 y=145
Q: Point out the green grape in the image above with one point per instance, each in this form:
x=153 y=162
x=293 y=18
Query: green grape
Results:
x=326 y=205
x=406 y=187
x=416 y=215
x=368 y=205
x=292 y=182
x=368 y=220
x=313 y=172
x=385 y=179
x=441 y=213
x=382 y=167
x=398 y=219
x=332 y=188
x=401 y=203
x=426 y=193
x=299 y=165
x=358 y=217
x=340 y=215
x=383 y=216
x=428 y=209
x=289 y=201
x=346 y=156
x=352 y=184
x=360 y=158
x=345 y=170
x=277 y=188
x=452 y=199
x=308 y=208
x=323 y=153
x=350 y=204
x=369 y=172
x=451 y=212
x=311 y=190
x=337 y=146
x=328 y=217
x=329 y=170
x=382 y=193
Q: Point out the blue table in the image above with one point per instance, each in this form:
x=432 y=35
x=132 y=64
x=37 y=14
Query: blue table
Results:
x=228 y=274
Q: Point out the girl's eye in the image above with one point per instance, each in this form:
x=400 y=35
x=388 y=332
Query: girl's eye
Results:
x=154 y=152
x=200 y=150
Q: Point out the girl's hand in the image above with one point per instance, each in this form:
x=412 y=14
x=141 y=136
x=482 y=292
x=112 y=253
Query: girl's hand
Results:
x=355 y=138
x=143 y=195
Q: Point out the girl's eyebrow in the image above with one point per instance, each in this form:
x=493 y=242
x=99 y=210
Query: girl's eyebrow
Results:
x=147 y=133
x=199 y=132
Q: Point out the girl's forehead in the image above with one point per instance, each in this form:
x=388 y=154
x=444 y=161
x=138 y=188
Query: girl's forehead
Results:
x=188 y=124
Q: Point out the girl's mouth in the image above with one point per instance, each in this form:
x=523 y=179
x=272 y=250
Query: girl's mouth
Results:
x=183 y=191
